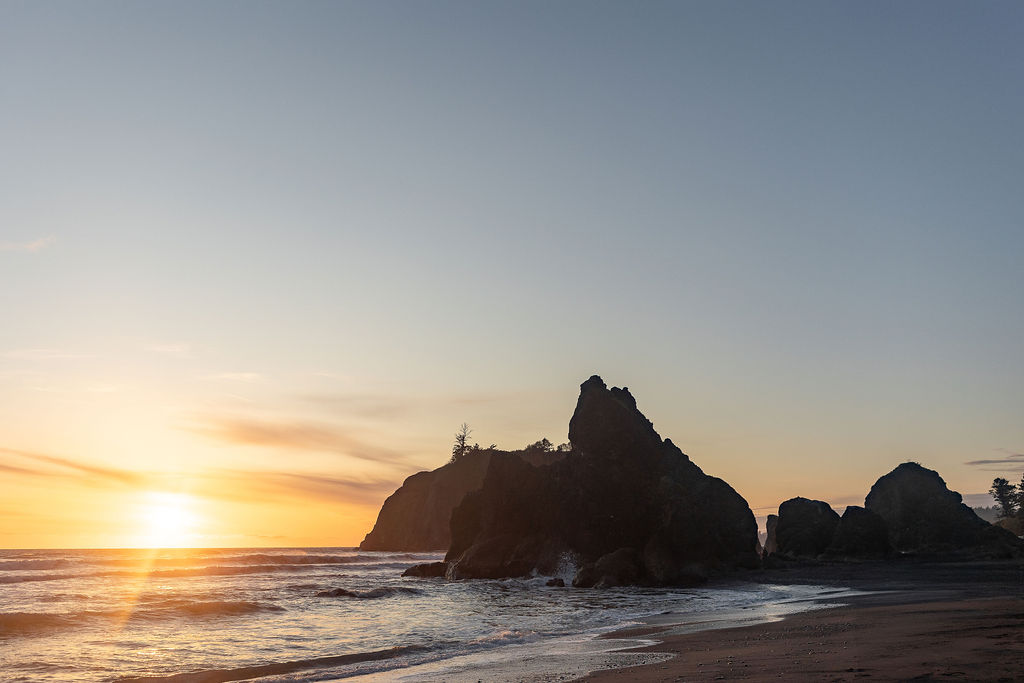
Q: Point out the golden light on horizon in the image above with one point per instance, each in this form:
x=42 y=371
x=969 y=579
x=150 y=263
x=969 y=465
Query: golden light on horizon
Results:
x=168 y=520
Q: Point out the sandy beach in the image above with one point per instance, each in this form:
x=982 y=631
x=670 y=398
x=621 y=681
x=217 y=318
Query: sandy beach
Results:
x=975 y=639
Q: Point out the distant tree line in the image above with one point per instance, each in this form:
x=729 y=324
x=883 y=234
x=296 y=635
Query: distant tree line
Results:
x=1009 y=497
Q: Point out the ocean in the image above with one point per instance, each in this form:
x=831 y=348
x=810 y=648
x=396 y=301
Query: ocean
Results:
x=315 y=614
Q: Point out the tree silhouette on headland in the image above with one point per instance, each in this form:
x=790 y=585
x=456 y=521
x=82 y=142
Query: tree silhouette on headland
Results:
x=461 y=445
x=1006 y=495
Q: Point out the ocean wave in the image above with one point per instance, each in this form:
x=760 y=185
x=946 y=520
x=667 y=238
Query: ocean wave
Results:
x=34 y=623
x=210 y=570
x=381 y=592
x=243 y=559
x=27 y=623
x=194 y=608
x=63 y=597
x=277 y=668
x=504 y=637
x=33 y=565
x=23 y=578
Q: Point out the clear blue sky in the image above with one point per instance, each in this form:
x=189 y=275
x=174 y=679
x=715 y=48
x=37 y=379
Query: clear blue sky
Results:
x=794 y=230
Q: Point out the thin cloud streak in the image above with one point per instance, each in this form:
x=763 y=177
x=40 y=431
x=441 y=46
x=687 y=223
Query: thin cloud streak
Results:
x=237 y=376
x=249 y=487
x=228 y=485
x=43 y=354
x=177 y=350
x=29 y=247
x=108 y=474
x=364 y=405
x=303 y=436
x=1010 y=459
x=384 y=406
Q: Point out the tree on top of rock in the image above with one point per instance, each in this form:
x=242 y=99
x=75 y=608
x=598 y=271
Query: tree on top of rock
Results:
x=1020 y=497
x=461 y=445
x=544 y=446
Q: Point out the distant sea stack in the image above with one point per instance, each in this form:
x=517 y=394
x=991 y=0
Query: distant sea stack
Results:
x=909 y=511
x=624 y=506
x=923 y=516
x=415 y=518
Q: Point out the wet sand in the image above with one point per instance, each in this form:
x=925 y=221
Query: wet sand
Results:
x=970 y=639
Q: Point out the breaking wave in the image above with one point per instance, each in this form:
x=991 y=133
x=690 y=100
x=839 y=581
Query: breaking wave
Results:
x=277 y=668
x=381 y=592
x=34 y=565
x=34 y=623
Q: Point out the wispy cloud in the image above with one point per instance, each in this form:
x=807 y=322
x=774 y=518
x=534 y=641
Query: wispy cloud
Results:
x=237 y=376
x=293 y=435
x=364 y=405
x=43 y=354
x=224 y=484
x=31 y=247
x=263 y=485
x=68 y=466
x=390 y=406
x=1008 y=457
x=175 y=350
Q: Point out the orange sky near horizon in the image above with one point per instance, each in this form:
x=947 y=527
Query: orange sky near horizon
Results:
x=240 y=478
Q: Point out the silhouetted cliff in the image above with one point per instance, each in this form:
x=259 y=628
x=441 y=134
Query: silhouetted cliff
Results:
x=416 y=517
x=624 y=506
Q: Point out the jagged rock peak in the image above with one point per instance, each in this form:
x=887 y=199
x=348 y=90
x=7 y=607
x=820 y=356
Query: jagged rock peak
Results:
x=626 y=506
x=608 y=421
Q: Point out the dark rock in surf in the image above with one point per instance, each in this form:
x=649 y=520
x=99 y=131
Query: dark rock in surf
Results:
x=621 y=488
x=620 y=568
x=427 y=570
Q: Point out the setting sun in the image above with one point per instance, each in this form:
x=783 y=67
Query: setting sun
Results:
x=167 y=520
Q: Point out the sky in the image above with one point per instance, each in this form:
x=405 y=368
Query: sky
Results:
x=260 y=260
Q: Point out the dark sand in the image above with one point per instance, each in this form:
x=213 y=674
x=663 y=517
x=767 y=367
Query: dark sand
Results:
x=933 y=622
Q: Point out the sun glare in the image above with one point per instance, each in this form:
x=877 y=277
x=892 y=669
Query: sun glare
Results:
x=168 y=520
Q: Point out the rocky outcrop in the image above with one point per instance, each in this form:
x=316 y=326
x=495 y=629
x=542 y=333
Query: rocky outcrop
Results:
x=805 y=527
x=860 y=534
x=426 y=570
x=624 y=506
x=771 y=543
x=924 y=517
x=416 y=517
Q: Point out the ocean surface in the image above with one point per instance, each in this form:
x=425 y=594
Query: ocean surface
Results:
x=314 y=614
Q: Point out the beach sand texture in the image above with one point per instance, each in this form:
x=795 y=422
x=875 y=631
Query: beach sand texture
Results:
x=965 y=640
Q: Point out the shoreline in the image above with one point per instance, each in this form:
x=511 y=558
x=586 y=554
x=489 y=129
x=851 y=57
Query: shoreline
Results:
x=893 y=620
x=976 y=639
x=906 y=620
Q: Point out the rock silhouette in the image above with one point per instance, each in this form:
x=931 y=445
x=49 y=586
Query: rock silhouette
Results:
x=624 y=506
x=415 y=518
x=924 y=517
x=805 y=527
x=860 y=534
x=908 y=511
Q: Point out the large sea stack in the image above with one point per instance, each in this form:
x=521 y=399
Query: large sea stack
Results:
x=415 y=518
x=624 y=506
x=924 y=517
